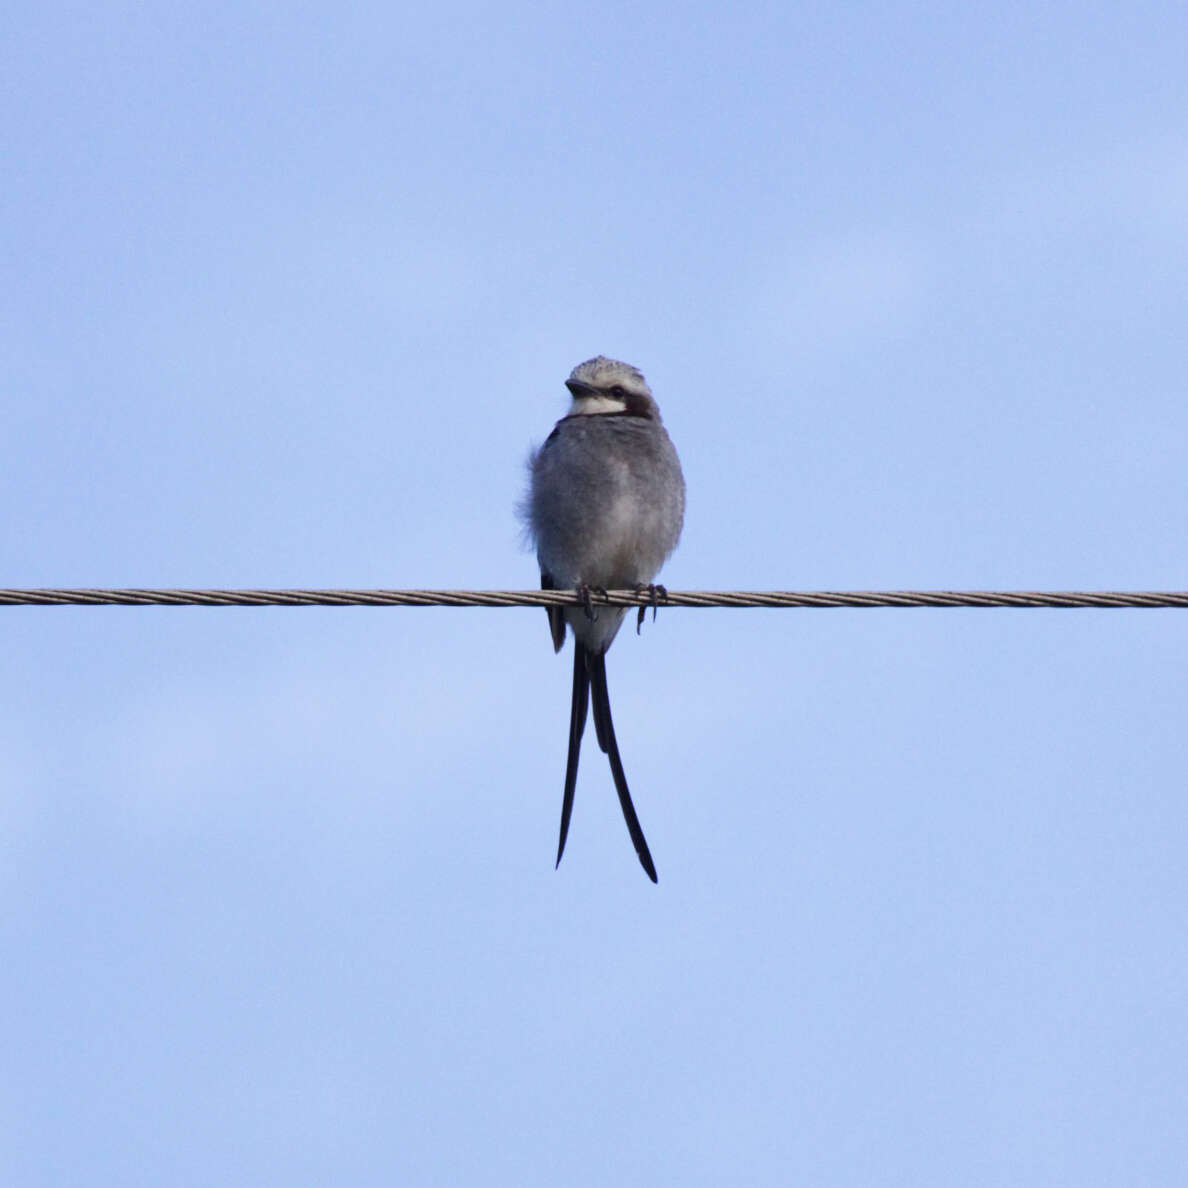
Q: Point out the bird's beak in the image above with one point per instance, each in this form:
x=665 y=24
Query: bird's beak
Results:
x=581 y=391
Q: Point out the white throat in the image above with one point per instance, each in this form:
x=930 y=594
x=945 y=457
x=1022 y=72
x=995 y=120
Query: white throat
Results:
x=587 y=406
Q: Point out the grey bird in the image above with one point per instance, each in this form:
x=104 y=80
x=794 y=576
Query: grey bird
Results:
x=605 y=507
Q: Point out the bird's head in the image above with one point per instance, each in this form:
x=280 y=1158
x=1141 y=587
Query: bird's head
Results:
x=602 y=385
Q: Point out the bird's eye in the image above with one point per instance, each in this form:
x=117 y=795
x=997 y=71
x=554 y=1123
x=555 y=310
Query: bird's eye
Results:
x=619 y=392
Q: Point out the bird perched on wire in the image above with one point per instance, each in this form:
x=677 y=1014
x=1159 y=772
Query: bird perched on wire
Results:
x=605 y=507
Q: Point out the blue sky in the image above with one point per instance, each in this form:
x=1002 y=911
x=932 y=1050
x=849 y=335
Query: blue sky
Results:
x=287 y=294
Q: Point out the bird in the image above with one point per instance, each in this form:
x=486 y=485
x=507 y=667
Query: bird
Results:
x=605 y=508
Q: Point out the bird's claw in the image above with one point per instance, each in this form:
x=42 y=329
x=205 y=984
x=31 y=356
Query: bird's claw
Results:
x=655 y=594
x=583 y=593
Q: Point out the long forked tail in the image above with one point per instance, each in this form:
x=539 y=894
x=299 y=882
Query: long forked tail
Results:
x=577 y=724
x=596 y=667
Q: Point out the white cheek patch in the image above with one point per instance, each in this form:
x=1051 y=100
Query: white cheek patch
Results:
x=587 y=406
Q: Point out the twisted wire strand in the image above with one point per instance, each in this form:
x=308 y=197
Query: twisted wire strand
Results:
x=626 y=598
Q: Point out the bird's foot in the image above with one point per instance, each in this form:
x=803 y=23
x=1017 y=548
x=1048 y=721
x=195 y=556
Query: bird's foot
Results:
x=584 y=592
x=655 y=595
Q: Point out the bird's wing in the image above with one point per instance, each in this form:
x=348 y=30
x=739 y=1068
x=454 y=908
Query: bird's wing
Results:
x=555 y=613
